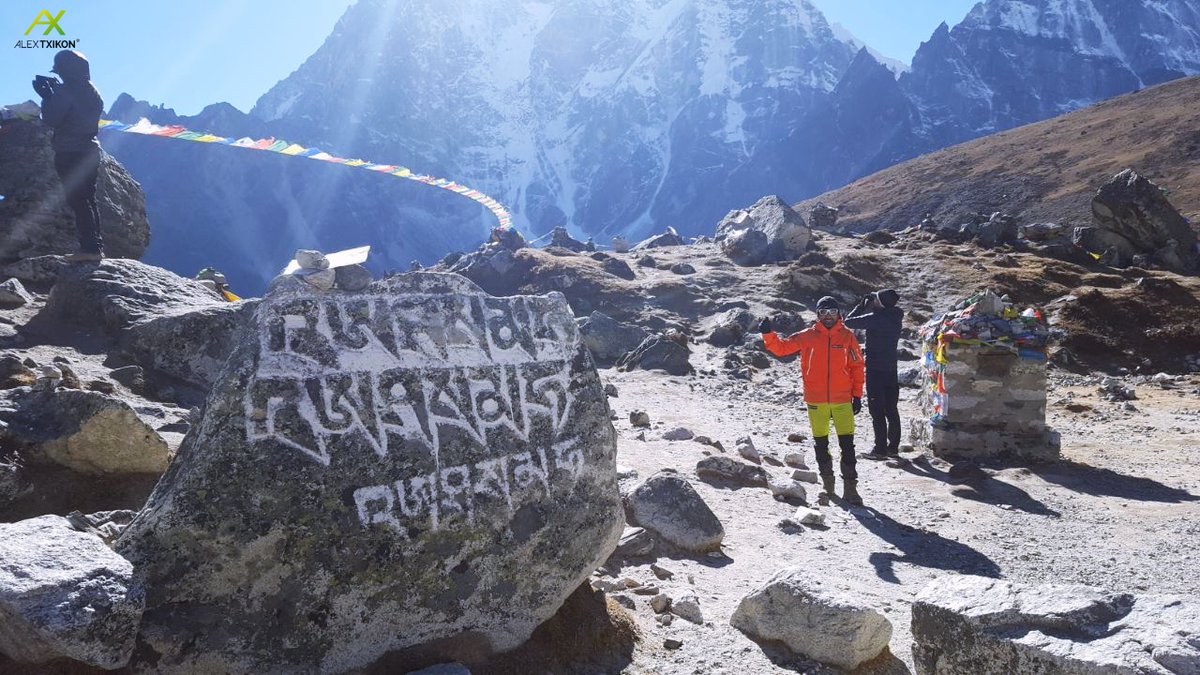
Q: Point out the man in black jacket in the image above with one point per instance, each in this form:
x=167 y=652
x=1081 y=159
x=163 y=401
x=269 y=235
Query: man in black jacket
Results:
x=879 y=316
x=72 y=109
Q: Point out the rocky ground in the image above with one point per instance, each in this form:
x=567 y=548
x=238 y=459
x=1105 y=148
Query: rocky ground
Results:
x=1119 y=512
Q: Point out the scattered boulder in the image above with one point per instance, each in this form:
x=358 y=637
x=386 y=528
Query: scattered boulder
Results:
x=14 y=373
x=639 y=418
x=979 y=626
x=635 y=541
x=13 y=294
x=683 y=268
x=785 y=487
x=658 y=352
x=64 y=594
x=823 y=217
x=117 y=294
x=805 y=476
x=746 y=247
x=37 y=220
x=667 y=504
x=879 y=237
x=559 y=237
x=430 y=471
x=191 y=345
x=352 y=278
x=731 y=327
x=730 y=470
x=678 y=434
x=795 y=460
x=669 y=237
x=42 y=270
x=1132 y=208
x=1042 y=232
x=14 y=485
x=745 y=448
x=816 y=617
x=687 y=607
x=785 y=229
x=85 y=431
x=608 y=338
x=647 y=261
x=618 y=268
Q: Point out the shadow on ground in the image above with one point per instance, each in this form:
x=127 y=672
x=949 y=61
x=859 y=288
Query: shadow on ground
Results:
x=920 y=547
x=779 y=654
x=1108 y=483
x=978 y=485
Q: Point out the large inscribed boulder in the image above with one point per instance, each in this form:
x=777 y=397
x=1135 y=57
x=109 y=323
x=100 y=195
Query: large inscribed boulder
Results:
x=417 y=468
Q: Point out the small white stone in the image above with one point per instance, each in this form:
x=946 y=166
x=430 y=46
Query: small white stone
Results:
x=806 y=476
x=660 y=603
x=688 y=608
x=795 y=460
x=807 y=516
x=311 y=260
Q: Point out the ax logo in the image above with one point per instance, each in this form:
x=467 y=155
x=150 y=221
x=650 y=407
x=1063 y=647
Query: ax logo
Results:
x=45 y=18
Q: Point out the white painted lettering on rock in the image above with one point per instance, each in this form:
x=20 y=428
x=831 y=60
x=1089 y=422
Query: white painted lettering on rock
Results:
x=396 y=375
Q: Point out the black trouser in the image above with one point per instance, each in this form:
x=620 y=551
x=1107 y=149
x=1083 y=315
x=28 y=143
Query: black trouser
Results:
x=78 y=172
x=825 y=459
x=883 y=399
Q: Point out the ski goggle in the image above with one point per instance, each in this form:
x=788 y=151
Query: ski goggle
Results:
x=828 y=312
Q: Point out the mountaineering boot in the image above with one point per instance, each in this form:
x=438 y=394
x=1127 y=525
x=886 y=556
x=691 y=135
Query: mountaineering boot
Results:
x=850 y=493
x=876 y=454
x=830 y=486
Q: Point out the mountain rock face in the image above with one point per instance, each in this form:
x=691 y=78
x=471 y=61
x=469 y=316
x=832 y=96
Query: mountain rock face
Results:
x=1012 y=62
x=613 y=117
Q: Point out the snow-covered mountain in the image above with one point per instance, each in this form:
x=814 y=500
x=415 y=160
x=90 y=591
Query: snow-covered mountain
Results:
x=1012 y=62
x=621 y=116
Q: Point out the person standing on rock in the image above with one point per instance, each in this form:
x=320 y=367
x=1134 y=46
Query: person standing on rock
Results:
x=832 y=366
x=72 y=108
x=879 y=316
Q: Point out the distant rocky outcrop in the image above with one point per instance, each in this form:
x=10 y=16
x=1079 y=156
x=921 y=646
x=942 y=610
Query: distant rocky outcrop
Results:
x=785 y=235
x=418 y=469
x=34 y=218
x=968 y=625
x=1135 y=220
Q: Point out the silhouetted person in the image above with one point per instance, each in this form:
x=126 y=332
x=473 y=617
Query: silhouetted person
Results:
x=72 y=108
x=879 y=316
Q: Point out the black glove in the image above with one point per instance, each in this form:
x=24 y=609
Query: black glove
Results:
x=765 y=326
x=856 y=405
x=43 y=88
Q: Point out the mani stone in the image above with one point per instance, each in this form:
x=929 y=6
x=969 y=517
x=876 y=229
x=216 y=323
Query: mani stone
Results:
x=64 y=594
x=970 y=625
x=418 y=468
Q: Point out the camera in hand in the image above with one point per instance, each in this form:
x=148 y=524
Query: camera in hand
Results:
x=43 y=80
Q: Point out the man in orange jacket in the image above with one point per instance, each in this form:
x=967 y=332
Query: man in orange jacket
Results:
x=832 y=364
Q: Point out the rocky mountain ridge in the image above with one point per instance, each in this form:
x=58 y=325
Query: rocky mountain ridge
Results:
x=654 y=114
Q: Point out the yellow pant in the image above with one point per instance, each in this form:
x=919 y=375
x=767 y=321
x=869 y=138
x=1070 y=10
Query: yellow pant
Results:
x=842 y=415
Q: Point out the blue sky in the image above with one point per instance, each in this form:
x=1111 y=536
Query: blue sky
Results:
x=188 y=53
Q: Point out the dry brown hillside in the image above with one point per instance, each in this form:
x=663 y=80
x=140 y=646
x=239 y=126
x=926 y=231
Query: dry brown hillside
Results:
x=1045 y=172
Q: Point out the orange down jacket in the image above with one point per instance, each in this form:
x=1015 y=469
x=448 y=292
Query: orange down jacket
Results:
x=830 y=360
